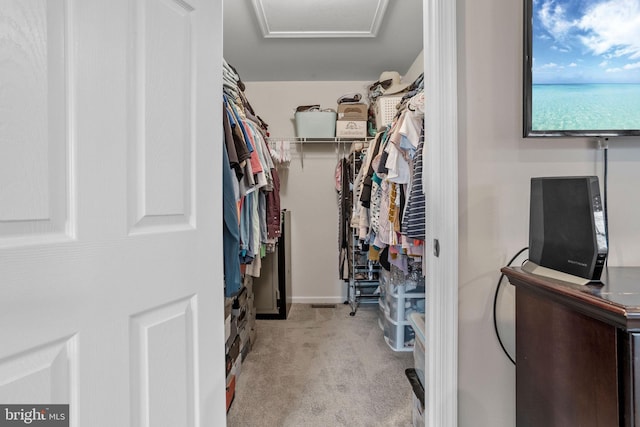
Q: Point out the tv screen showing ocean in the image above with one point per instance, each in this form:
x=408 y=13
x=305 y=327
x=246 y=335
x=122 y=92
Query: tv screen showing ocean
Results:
x=585 y=107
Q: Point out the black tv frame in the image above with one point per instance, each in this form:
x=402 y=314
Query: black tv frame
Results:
x=527 y=122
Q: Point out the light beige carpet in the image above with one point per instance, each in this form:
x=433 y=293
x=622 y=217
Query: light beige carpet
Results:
x=322 y=367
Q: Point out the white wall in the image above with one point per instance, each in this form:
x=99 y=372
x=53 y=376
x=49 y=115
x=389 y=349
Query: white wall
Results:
x=495 y=165
x=415 y=69
x=308 y=188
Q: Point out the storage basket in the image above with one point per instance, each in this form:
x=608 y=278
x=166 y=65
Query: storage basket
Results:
x=315 y=124
x=386 y=109
x=417 y=323
x=398 y=335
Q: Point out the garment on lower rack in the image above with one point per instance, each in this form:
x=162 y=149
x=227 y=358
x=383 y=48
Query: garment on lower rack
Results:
x=344 y=257
x=273 y=207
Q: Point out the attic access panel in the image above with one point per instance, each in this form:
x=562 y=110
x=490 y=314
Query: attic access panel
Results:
x=318 y=19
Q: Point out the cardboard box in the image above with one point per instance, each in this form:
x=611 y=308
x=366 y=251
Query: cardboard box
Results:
x=244 y=338
x=227 y=327
x=228 y=364
x=248 y=283
x=240 y=320
x=228 y=303
x=234 y=351
x=232 y=356
x=251 y=302
x=239 y=314
x=251 y=319
x=351 y=129
x=240 y=300
x=233 y=333
x=231 y=390
x=354 y=111
x=237 y=367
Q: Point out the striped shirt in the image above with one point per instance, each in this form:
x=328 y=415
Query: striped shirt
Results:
x=413 y=224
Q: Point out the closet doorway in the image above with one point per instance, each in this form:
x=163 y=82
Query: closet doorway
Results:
x=439 y=22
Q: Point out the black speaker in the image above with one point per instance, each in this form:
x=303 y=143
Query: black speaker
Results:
x=567 y=226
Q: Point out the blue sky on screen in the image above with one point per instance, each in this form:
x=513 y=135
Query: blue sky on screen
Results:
x=586 y=41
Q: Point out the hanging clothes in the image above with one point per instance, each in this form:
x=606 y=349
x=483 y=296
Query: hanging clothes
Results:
x=251 y=190
x=231 y=231
x=390 y=196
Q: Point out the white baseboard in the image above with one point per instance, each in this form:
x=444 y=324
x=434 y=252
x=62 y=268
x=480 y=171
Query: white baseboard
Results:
x=318 y=300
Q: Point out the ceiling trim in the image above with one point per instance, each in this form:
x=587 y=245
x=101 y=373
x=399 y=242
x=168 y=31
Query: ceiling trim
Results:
x=267 y=32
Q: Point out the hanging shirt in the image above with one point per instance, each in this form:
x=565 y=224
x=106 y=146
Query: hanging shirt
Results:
x=413 y=222
x=241 y=148
x=273 y=207
x=246 y=254
x=374 y=211
x=385 y=227
x=397 y=165
x=410 y=131
x=231 y=231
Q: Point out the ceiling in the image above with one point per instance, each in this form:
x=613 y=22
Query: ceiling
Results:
x=317 y=46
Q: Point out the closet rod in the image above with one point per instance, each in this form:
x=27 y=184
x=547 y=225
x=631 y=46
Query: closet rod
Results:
x=319 y=140
x=302 y=141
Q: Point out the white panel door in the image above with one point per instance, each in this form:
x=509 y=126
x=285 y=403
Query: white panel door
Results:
x=110 y=227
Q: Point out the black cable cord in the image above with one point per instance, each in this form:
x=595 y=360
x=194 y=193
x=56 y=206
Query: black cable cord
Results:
x=606 y=187
x=495 y=303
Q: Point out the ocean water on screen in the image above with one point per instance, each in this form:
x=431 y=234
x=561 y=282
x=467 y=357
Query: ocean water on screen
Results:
x=586 y=106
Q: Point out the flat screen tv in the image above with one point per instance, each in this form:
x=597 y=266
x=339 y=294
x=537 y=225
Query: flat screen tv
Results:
x=581 y=68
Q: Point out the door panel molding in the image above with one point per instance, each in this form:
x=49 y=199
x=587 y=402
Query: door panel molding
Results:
x=47 y=373
x=162 y=146
x=164 y=388
x=36 y=166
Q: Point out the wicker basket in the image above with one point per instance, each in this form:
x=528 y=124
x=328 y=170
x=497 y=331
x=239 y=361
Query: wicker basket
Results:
x=386 y=109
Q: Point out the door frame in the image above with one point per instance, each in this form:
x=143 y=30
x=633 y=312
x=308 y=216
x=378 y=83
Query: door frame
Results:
x=441 y=188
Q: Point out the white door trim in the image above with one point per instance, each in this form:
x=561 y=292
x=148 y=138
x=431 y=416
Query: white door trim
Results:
x=441 y=186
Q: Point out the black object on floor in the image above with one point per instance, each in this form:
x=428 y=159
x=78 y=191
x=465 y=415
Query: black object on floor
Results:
x=418 y=389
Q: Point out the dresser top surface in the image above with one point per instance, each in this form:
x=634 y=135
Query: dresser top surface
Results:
x=619 y=285
x=615 y=297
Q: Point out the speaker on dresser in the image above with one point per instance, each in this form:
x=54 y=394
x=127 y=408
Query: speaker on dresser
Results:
x=567 y=230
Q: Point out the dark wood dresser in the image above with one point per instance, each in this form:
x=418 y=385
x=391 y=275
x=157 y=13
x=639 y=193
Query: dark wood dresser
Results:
x=577 y=350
